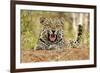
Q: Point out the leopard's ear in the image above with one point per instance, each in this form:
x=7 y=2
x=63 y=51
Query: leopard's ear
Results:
x=42 y=20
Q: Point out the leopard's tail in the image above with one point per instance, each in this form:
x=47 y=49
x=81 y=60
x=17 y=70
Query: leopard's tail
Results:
x=75 y=43
x=79 y=34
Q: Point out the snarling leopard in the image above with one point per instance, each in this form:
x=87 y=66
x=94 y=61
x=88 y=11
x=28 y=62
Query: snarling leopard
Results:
x=52 y=34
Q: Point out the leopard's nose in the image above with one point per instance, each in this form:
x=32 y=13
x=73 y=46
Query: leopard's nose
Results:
x=53 y=31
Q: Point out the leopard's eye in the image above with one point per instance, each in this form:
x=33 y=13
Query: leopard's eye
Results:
x=58 y=26
x=48 y=26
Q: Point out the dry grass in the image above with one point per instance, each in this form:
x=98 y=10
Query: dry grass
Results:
x=54 y=55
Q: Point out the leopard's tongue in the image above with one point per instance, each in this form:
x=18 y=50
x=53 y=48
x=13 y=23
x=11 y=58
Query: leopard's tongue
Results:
x=52 y=37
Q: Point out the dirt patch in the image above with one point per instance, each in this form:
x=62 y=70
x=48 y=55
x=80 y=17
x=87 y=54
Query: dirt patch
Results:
x=54 y=55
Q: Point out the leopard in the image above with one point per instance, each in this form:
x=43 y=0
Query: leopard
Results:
x=52 y=34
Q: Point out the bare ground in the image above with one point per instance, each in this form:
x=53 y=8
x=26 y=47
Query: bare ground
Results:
x=54 y=55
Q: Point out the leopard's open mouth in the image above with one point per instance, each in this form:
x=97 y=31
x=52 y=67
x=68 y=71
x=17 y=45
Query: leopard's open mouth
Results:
x=52 y=37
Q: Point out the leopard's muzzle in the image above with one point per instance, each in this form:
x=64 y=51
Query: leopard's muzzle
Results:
x=52 y=36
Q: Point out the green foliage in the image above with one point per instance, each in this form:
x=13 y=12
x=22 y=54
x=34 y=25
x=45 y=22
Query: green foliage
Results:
x=30 y=28
x=27 y=40
x=87 y=39
x=68 y=32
